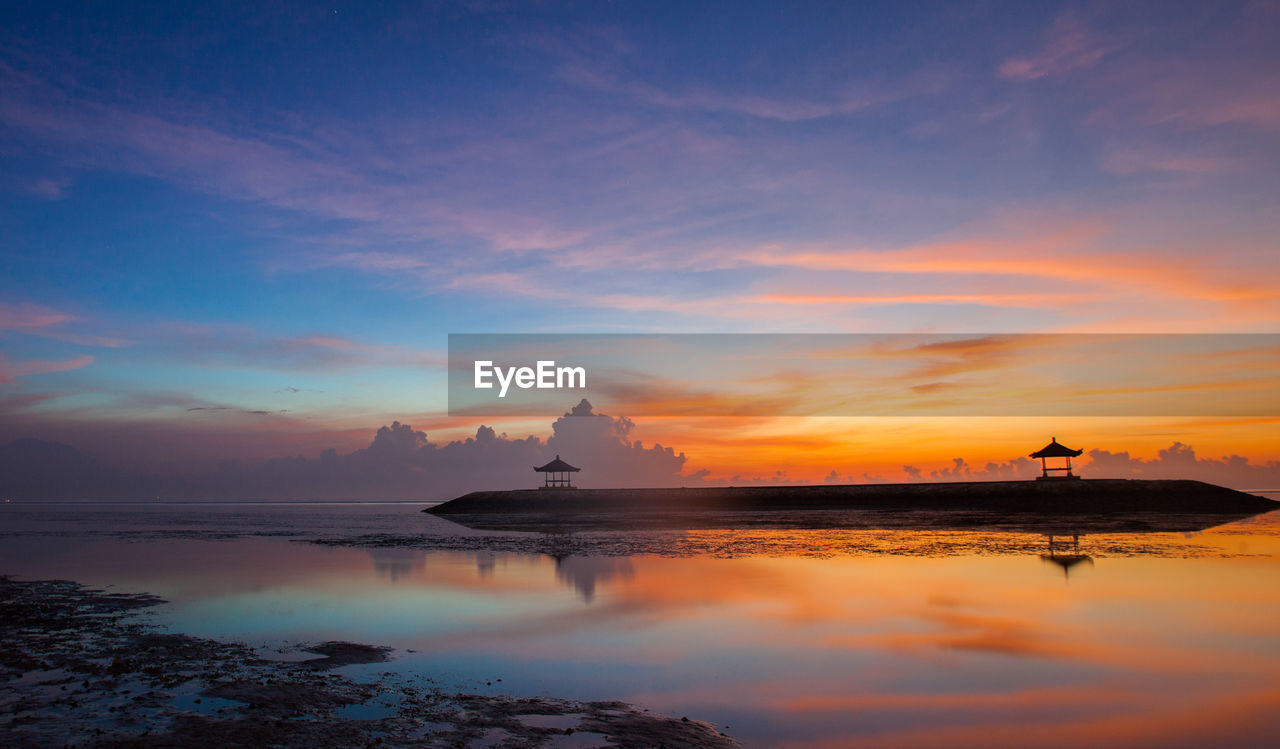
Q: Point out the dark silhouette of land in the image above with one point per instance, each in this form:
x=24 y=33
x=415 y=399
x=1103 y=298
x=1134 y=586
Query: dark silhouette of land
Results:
x=1087 y=504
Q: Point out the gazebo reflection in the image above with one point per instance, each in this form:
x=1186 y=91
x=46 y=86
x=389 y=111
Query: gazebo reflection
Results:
x=584 y=573
x=1066 y=554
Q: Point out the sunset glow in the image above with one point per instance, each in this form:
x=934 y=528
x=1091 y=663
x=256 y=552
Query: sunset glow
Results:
x=712 y=374
x=225 y=264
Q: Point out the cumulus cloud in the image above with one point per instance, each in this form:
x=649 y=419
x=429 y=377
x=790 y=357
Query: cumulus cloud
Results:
x=1178 y=461
x=1181 y=462
x=604 y=444
x=960 y=469
x=400 y=463
x=404 y=463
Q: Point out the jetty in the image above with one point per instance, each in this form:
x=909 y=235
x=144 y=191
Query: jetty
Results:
x=1118 y=503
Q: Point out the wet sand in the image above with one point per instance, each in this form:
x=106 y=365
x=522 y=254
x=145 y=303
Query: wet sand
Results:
x=83 y=667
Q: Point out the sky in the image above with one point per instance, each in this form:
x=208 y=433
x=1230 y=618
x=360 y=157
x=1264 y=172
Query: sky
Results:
x=241 y=232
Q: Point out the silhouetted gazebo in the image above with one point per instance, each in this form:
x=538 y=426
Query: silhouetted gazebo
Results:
x=557 y=474
x=1055 y=450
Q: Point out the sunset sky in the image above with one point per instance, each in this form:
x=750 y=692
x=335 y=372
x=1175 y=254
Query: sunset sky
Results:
x=245 y=231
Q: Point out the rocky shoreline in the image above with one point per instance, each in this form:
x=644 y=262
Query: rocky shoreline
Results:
x=83 y=667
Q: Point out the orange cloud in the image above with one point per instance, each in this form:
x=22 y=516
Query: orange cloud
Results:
x=1051 y=259
x=988 y=300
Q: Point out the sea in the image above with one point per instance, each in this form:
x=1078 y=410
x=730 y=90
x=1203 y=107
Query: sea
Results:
x=779 y=637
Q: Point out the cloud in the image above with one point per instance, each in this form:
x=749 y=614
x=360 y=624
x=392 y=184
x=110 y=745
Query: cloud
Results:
x=215 y=409
x=1071 y=266
x=1068 y=46
x=741 y=224
x=400 y=463
x=336 y=178
x=1198 y=91
x=45 y=322
x=1018 y=469
x=600 y=61
x=1147 y=160
x=1085 y=264
x=991 y=299
x=216 y=345
x=9 y=370
x=605 y=444
x=50 y=188
x=30 y=317
x=237 y=346
x=1179 y=461
x=706 y=99
x=1185 y=81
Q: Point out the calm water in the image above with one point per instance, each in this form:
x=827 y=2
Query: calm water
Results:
x=884 y=639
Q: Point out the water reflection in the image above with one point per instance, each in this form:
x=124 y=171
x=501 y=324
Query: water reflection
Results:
x=397 y=564
x=583 y=573
x=486 y=561
x=1065 y=553
x=869 y=638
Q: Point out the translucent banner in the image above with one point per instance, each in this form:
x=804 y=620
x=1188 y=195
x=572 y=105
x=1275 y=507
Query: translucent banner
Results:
x=511 y=374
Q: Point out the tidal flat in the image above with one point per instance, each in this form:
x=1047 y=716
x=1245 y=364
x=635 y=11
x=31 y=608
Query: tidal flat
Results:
x=81 y=669
x=354 y=622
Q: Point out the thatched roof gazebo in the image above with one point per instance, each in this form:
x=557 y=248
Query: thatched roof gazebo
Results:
x=1055 y=450
x=557 y=474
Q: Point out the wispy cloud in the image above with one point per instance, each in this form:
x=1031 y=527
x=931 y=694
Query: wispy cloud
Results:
x=279 y=169
x=9 y=370
x=45 y=322
x=27 y=317
x=51 y=188
x=994 y=299
x=1130 y=160
x=1078 y=253
x=237 y=346
x=1068 y=45
x=600 y=61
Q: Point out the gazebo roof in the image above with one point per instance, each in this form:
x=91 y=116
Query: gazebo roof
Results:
x=1055 y=450
x=556 y=466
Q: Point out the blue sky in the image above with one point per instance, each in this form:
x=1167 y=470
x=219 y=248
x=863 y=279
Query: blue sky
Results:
x=287 y=209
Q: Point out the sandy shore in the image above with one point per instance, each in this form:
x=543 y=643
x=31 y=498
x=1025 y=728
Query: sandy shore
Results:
x=81 y=667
